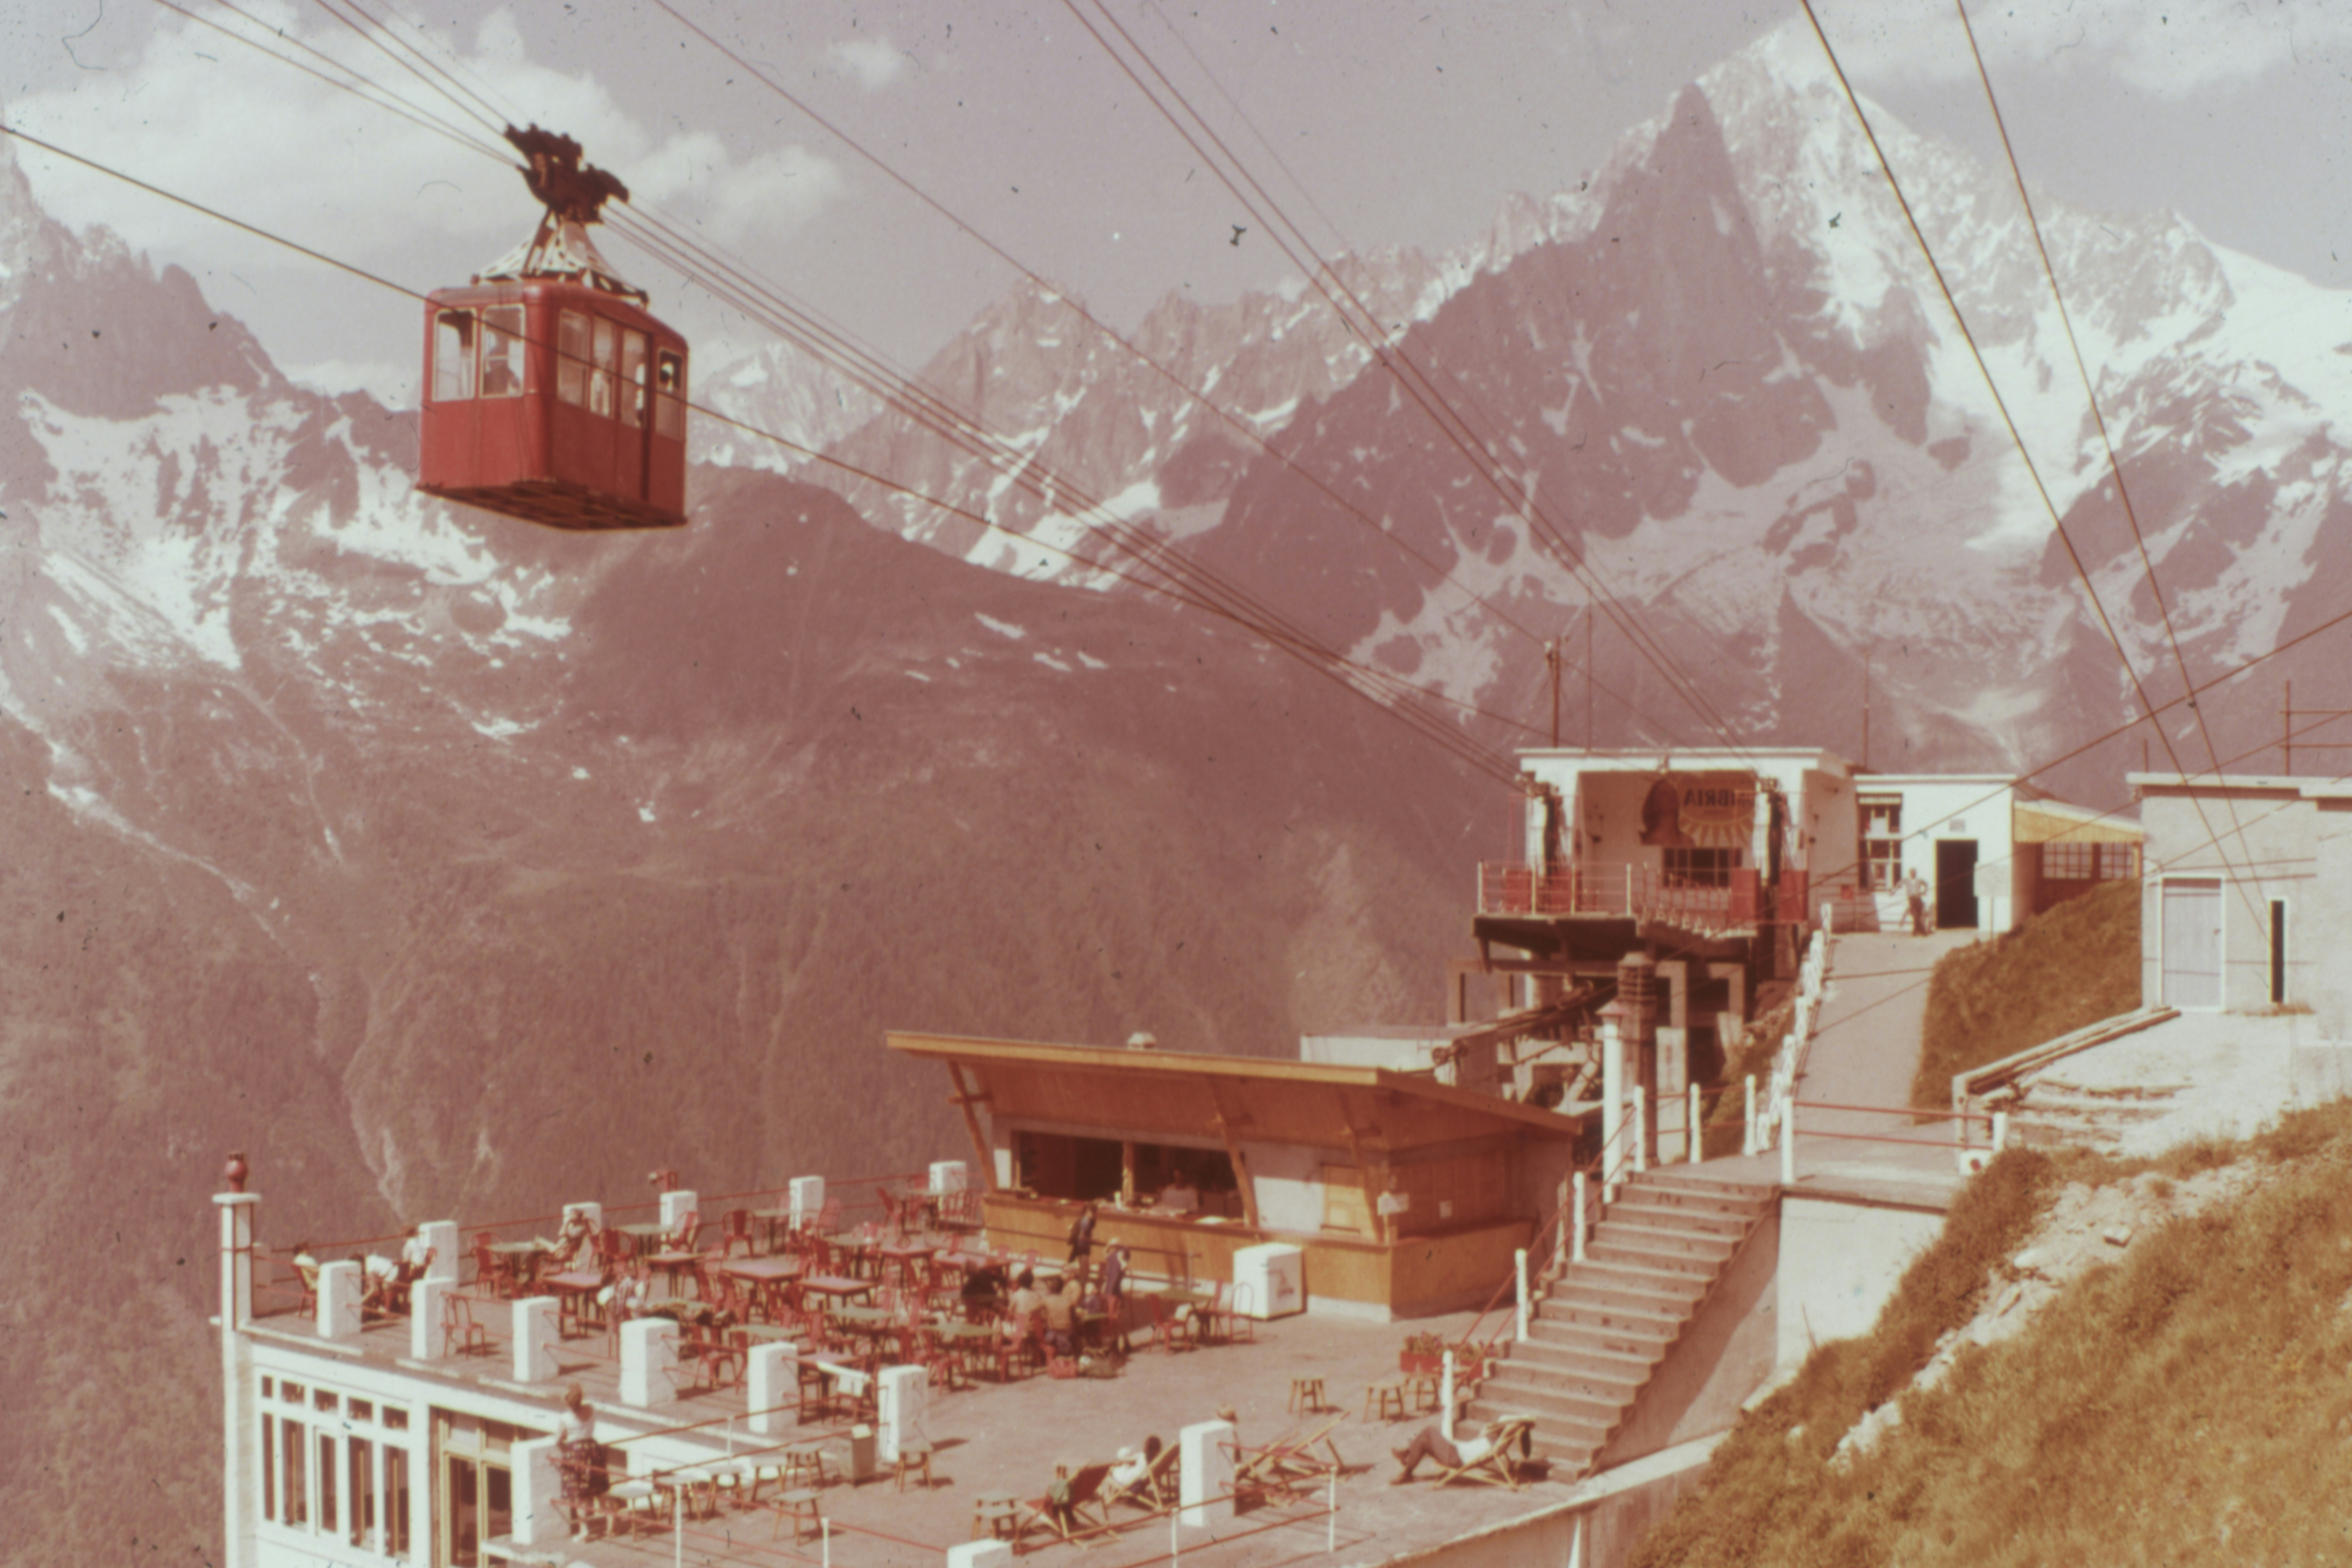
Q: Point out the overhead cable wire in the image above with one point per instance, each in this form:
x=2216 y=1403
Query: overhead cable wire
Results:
x=1409 y=376
x=1242 y=427
x=1960 y=317
x=1444 y=733
x=2090 y=391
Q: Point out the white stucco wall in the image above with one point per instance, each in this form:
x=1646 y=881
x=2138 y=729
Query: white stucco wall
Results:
x=1840 y=1262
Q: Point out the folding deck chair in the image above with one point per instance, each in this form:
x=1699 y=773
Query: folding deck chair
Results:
x=1499 y=1464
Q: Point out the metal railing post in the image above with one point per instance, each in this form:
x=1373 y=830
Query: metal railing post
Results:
x=1445 y=1398
x=1747 y=1139
x=1999 y=1131
x=1690 y=1124
x=1640 y=1131
x=1788 y=1142
x=1579 y=1217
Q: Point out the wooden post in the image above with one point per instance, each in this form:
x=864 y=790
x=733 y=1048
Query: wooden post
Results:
x=1226 y=1121
x=964 y=1100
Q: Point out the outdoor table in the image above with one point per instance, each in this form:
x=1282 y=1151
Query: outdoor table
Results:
x=761 y=1333
x=673 y=1264
x=767 y=1278
x=902 y=1260
x=515 y=1261
x=575 y=1295
x=642 y=1237
x=836 y=1285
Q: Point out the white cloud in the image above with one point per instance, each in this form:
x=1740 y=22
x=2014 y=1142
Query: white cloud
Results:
x=222 y=125
x=872 y=63
x=2169 y=47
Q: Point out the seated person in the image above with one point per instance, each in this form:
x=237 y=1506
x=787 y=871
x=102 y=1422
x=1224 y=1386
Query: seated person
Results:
x=1180 y=1195
x=573 y=1243
x=1060 y=1303
x=1429 y=1443
x=1132 y=1467
x=629 y=1293
x=1027 y=1301
x=378 y=1275
x=982 y=1290
x=306 y=1268
x=416 y=1256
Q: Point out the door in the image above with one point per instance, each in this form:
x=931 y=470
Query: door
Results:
x=2192 y=941
x=1956 y=883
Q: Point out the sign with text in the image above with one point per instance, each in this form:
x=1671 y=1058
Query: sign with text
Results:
x=1708 y=810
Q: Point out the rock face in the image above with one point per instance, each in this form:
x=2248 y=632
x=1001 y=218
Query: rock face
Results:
x=1717 y=387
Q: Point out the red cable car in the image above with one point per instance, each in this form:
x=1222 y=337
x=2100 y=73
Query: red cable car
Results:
x=550 y=393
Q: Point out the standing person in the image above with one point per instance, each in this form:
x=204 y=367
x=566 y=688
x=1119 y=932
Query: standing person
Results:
x=1915 y=895
x=416 y=1256
x=1082 y=1245
x=576 y=1459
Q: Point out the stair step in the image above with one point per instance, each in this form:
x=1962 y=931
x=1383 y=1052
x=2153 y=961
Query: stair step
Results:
x=1697 y=1271
x=1594 y=1355
x=1645 y=1344
x=1695 y=1202
x=1701 y=1191
x=1637 y=1209
x=1537 y=1401
x=1632 y=1286
x=1676 y=1242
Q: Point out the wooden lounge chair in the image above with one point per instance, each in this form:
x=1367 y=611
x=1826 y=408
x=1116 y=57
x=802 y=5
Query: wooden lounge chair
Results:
x=1286 y=1465
x=1499 y=1466
x=1081 y=1518
x=1152 y=1492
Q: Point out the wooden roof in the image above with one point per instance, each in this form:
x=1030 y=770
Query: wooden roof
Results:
x=1130 y=1093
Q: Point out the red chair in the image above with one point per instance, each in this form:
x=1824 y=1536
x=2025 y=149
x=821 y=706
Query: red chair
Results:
x=738 y=1228
x=1169 y=1331
x=485 y=1264
x=459 y=1330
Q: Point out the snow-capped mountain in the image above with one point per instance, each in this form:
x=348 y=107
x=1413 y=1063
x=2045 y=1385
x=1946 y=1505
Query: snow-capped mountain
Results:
x=1733 y=388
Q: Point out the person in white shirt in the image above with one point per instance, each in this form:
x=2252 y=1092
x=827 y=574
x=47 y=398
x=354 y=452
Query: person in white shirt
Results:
x=1429 y=1443
x=416 y=1256
x=1180 y=1195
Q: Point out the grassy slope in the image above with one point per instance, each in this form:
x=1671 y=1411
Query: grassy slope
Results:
x=2187 y=1405
x=2073 y=966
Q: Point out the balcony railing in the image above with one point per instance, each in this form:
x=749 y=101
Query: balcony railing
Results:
x=1637 y=892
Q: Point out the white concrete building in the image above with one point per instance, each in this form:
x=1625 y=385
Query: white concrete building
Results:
x=1993 y=851
x=2249 y=891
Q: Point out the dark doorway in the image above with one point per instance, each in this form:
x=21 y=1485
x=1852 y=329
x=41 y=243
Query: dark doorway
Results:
x=1956 y=883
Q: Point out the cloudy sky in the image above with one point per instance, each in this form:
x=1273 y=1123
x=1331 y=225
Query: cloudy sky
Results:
x=1373 y=125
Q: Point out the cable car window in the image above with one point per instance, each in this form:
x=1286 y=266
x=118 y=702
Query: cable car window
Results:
x=572 y=357
x=600 y=381
x=502 y=352
x=453 y=356
x=669 y=405
x=632 y=379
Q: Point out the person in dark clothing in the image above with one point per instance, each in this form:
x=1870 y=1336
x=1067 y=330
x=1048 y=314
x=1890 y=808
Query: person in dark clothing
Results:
x=1082 y=1244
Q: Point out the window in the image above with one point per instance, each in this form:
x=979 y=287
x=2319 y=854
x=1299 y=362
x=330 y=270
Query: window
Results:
x=327 y=1481
x=294 y=1484
x=632 y=379
x=2071 y=862
x=1881 y=840
x=453 y=356
x=600 y=378
x=669 y=405
x=396 y=1500
x=1701 y=868
x=363 y=1494
x=502 y=360
x=572 y=357
x=324 y=1400
x=362 y=1410
x=269 y=1463
x=396 y=1420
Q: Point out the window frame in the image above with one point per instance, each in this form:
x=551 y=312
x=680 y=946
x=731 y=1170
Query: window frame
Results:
x=467 y=337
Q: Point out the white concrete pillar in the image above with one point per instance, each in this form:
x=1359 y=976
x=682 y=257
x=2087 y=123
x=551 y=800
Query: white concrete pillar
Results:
x=1690 y=1126
x=1613 y=1106
x=339 y=1288
x=981 y=1554
x=1747 y=1144
x=950 y=1176
x=1519 y=1263
x=1205 y=1461
x=771 y=1379
x=676 y=1204
x=807 y=1199
x=648 y=1352
x=1999 y=1131
x=241 y=1457
x=441 y=1235
x=535 y=1336
x=1788 y=1144
x=424 y=1299
x=1580 y=1220
x=899 y=1403
x=538 y=1493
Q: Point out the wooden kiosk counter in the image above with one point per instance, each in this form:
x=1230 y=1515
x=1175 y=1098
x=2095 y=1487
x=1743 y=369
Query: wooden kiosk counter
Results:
x=1277 y=1151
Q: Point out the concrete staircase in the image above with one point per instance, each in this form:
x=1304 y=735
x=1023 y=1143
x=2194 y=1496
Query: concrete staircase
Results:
x=1604 y=1324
